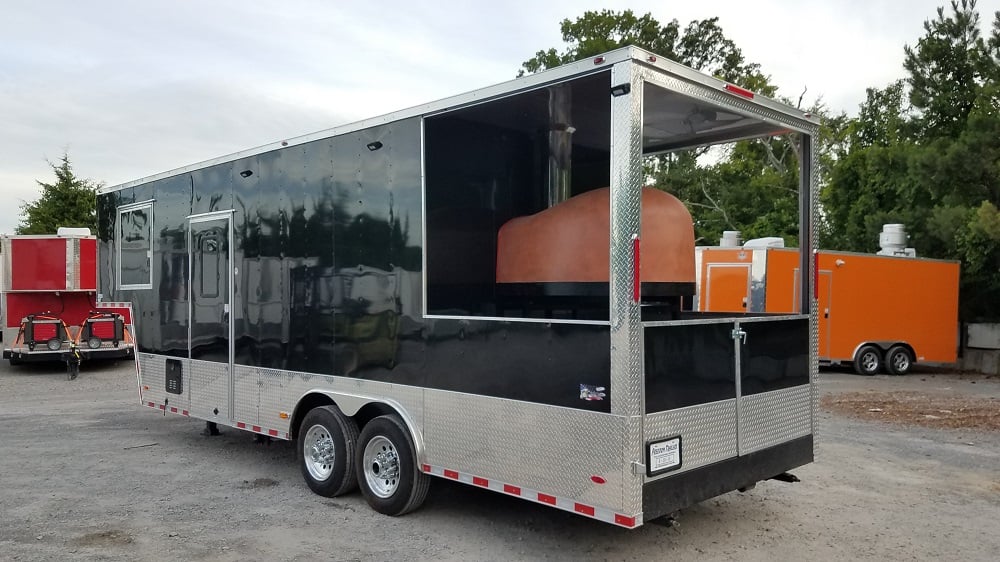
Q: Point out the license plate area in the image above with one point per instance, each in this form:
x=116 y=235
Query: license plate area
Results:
x=663 y=455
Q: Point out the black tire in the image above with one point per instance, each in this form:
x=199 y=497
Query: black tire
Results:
x=388 y=475
x=898 y=360
x=325 y=451
x=868 y=360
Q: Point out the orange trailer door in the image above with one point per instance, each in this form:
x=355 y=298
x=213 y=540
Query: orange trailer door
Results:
x=727 y=287
x=824 y=292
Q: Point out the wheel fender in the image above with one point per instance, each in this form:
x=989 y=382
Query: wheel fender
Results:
x=882 y=345
x=351 y=403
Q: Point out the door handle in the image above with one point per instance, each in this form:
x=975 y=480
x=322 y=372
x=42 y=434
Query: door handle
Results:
x=740 y=334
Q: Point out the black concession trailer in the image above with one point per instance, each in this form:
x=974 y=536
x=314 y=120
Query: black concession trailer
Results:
x=479 y=289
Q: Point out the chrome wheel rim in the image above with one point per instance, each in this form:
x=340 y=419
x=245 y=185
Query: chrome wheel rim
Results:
x=869 y=362
x=381 y=466
x=319 y=452
x=900 y=362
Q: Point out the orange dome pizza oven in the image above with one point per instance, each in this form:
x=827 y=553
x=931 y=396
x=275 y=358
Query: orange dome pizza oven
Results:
x=569 y=242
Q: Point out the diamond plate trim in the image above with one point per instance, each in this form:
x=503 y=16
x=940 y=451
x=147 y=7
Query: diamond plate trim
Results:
x=275 y=397
x=246 y=394
x=566 y=504
x=208 y=385
x=5 y=271
x=153 y=374
x=708 y=433
x=809 y=158
x=726 y=100
x=626 y=327
x=772 y=418
x=72 y=264
x=532 y=445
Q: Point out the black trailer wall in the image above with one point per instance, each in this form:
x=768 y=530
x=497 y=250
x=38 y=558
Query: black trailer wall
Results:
x=327 y=250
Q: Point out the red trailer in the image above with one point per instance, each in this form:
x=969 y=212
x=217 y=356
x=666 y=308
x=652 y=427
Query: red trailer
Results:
x=49 y=305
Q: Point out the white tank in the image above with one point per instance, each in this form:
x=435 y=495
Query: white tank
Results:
x=765 y=242
x=72 y=231
x=730 y=239
x=892 y=241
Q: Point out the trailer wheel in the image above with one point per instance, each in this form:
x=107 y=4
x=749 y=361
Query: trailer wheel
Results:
x=387 y=469
x=327 y=439
x=898 y=360
x=868 y=360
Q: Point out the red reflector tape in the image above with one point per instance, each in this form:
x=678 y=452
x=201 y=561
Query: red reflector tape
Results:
x=425 y=468
x=545 y=498
x=451 y=474
x=815 y=274
x=480 y=482
x=625 y=521
x=512 y=489
x=636 y=285
x=256 y=429
x=272 y=432
x=739 y=91
x=241 y=425
x=584 y=509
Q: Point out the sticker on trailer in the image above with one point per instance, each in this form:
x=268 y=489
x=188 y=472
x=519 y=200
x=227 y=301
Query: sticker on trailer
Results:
x=663 y=455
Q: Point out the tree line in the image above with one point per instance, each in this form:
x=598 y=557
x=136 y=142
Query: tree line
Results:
x=923 y=151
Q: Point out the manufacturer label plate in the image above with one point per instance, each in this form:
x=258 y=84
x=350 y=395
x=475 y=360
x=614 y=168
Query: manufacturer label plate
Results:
x=663 y=455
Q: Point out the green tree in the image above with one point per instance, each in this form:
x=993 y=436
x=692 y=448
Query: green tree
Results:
x=926 y=152
x=69 y=201
x=701 y=45
x=945 y=69
x=751 y=186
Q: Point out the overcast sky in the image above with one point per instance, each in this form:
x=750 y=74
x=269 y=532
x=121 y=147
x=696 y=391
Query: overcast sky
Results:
x=132 y=88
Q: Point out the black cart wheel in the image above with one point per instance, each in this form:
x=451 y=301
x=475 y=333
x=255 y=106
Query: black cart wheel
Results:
x=898 y=360
x=387 y=468
x=326 y=443
x=868 y=360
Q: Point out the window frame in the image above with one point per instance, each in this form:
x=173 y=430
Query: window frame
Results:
x=121 y=211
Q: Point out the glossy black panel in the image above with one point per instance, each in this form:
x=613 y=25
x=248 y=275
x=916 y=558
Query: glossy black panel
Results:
x=246 y=260
x=689 y=364
x=559 y=364
x=267 y=272
x=210 y=265
x=328 y=279
x=170 y=269
x=212 y=189
x=774 y=355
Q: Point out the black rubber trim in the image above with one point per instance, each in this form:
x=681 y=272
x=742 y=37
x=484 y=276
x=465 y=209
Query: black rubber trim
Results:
x=667 y=495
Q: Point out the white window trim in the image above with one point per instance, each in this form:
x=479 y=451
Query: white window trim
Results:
x=118 y=245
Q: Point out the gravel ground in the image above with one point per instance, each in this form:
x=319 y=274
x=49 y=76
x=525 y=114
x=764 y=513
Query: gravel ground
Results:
x=88 y=474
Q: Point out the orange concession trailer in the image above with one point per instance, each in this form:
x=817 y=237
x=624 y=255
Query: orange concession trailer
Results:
x=876 y=312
